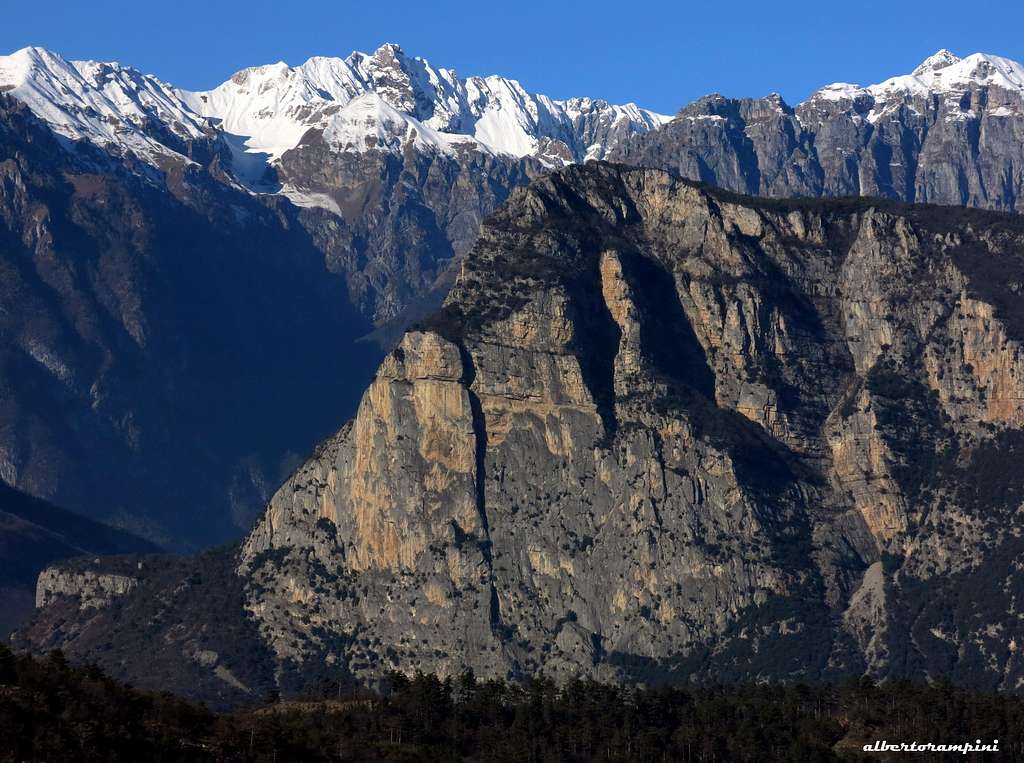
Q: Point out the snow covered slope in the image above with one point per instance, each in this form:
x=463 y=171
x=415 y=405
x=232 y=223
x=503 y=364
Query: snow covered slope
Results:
x=383 y=101
x=274 y=106
x=115 y=107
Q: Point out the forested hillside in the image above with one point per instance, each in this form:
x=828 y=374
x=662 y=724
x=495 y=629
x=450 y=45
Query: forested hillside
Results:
x=54 y=712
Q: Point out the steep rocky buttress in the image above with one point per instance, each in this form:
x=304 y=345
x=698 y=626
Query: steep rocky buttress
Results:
x=662 y=432
x=656 y=425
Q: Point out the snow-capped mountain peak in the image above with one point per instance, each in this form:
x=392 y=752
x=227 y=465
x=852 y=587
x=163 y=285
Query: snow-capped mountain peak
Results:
x=945 y=73
x=941 y=75
x=274 y=106
x=381 y=101
x=114 y=106
x=264 y=111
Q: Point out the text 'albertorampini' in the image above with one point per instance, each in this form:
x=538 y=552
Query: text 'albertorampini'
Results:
x=963 y=747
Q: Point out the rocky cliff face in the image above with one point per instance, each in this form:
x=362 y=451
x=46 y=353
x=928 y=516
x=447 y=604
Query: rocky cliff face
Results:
x=657 y=428
x=951 y=132
x=393 y=223
x=660 y=432
x=93 y=590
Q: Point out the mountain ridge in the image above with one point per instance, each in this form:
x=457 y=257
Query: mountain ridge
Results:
x=264 y=111
x=951 y=132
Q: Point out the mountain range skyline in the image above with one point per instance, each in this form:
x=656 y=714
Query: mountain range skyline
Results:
x=389 y=99
x=660 y=57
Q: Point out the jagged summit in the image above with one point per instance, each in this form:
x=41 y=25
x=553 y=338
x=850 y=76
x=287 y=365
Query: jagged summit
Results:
x=945 y=73
x=947 y=133
x=274 y=106
x=114 y=106
x=938 y=60
x=264 y=111
x=942 y=73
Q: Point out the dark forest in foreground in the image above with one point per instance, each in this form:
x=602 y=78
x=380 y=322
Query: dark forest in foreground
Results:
x=51 y=711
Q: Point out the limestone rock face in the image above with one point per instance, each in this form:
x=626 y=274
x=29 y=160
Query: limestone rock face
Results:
x=662 y=431
x=951 y=132
x=91 y=589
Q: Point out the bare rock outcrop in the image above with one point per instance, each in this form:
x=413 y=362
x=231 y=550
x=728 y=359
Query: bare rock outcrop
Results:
x=658 y=430
x=90 y=589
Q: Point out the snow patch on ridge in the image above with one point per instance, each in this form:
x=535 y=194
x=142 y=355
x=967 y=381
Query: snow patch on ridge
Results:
x=369 y=122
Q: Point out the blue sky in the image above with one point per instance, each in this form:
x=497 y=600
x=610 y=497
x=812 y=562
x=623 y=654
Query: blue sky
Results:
x=659 y=54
